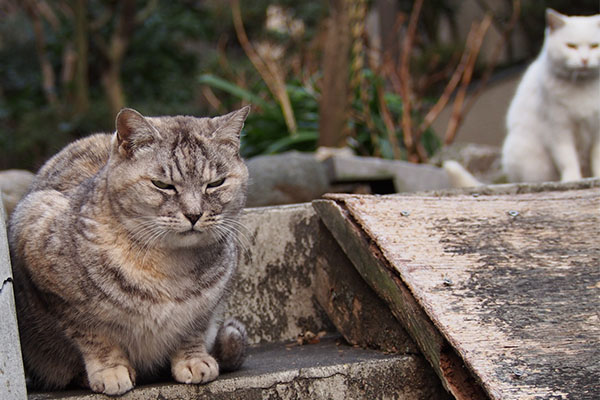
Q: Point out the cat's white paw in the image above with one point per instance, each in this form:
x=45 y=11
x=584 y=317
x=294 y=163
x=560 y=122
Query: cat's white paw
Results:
x=199 y=369
x=112 y=381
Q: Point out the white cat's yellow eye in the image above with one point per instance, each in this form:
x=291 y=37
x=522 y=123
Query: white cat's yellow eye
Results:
x=571 y=45
x=216 y=183
x=594 y=46
x=162 y=185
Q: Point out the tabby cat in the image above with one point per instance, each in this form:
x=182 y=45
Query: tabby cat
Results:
x=123 y=252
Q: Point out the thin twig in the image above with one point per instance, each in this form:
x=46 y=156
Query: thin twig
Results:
x=405 y=81
x=146 y=12
x=450 y=86
x=212 y=99
x=457 y=110
x=495 y=57
x=268 y=71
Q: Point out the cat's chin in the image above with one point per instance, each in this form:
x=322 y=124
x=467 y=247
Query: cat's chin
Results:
x=189 y=239
x=581 y=72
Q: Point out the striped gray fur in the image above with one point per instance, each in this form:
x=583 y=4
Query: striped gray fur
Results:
x=123 y=252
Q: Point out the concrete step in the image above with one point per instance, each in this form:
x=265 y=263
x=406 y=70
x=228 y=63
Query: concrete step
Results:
x=329 y=369
x=273 y=290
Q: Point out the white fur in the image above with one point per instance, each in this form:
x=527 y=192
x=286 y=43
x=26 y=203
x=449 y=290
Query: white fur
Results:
x=553 y=121
x=459 y=176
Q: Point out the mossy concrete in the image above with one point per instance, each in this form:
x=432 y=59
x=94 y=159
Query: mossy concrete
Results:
x=273 y=289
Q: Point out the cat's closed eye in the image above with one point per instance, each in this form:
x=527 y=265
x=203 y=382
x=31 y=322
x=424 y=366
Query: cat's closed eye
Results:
x=216 y=183
x=572 y=45
x=163 y=185
x=594 y=45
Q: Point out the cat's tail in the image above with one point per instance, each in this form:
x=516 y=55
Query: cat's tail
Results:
x=230 y=345
x=459 y=176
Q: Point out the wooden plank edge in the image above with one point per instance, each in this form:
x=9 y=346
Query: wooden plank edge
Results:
x=490 y=190
x=357 y=312
x=369 y=261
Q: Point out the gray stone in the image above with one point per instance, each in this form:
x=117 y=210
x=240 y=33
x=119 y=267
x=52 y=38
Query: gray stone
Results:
x=273 y=292
x=326 y=370
x=407 y=177
x=12 y=379
x=14 y=184
x=285 y=179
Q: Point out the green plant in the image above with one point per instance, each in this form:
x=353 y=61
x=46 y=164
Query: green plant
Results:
x=266 y=132
x=375 y=116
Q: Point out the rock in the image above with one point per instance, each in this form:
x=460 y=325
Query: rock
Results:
x=14 y=184
x=285 y=179
x=323 y=153
x=406 y=176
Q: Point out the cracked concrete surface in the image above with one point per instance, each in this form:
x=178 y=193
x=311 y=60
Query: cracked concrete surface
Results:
x=273 y=290
x=5 y=282
x=326 y=370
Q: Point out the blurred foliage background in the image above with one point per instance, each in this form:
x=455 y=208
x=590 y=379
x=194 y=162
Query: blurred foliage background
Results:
x=312 y=70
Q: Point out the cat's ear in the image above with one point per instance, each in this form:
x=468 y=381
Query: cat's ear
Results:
x=554 y=19
x=133 y=132
x=230 y=126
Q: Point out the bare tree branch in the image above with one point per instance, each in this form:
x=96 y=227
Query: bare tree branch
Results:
x=457 y=110
x=450 y=86
x=269 y=71
x=115 y=49
x=405 y=81
x=495 y=57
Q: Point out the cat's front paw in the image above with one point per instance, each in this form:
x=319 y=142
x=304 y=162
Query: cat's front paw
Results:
x=198 y=369
x=112 y=381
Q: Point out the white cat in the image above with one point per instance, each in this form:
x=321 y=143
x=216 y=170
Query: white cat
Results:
x=554 y=119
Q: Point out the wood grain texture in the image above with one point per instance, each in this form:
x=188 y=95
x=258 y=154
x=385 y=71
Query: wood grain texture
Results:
x=375 y=270
x=356 y=311
x=511 y=281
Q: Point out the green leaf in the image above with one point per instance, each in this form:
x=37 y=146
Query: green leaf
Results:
x=290 y=141
x=235 y=90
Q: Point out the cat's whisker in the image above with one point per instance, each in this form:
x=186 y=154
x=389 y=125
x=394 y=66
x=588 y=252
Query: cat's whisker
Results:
x=139 y=235
x=236 y=222
x=151 y=241
x=146 y=236
x=233 y=232
x=221 y=234
x=240 y=236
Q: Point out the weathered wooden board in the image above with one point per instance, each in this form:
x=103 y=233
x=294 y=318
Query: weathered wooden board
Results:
x=511 y=281
x=373 y=267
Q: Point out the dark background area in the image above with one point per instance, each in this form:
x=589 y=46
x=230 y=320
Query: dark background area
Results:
x=67 y=67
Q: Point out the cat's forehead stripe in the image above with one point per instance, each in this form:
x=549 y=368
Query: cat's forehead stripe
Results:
x=178 y=166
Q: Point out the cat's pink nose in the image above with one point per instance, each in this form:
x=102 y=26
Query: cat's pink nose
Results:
x=584 y=61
